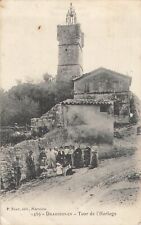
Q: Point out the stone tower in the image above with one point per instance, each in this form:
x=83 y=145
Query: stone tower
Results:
x=71 y=42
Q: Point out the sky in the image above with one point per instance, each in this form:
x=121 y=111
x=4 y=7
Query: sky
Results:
x=29 y=47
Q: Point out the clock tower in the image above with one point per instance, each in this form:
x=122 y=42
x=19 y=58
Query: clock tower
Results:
x=71 y=42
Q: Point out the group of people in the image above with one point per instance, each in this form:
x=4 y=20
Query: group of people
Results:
x=66 y=158
x=54 y=161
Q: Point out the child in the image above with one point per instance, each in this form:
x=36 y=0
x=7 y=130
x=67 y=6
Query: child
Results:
x=59 y=169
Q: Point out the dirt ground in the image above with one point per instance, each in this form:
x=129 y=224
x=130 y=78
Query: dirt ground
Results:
x=112 y=188
x=109 y=184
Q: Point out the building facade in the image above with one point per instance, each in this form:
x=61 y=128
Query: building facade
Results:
x=106 y=85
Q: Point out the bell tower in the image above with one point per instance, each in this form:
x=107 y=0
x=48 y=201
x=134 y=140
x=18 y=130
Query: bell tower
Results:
x=71 y=42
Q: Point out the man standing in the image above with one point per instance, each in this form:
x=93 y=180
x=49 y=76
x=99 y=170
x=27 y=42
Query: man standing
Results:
x=68 y=155
x=94 y=157
x=87 y=156
x=78 y=158
x=30 y=166
x=42 y=161
x=61 y=156
x=17 y=172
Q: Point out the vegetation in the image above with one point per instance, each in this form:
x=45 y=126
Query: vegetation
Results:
x=27 y=100
x=135 y=109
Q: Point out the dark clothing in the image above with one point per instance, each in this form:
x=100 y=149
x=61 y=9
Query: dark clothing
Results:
x=30 y=168
x=69 y=172
x=17 y=173
x=12 y=182
x=68 y=160
x=1 y=184
x=18 y=176
x=78 y=158
x=61 y=158
x=41 y=162
x=94 y=160
x=87 y=156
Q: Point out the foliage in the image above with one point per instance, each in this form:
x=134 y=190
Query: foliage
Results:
x=27 y=100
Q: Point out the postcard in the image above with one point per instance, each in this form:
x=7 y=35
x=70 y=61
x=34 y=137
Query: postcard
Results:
x=70 y=113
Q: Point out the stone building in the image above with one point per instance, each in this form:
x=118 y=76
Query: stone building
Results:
x=101 y=97
x=106 y=85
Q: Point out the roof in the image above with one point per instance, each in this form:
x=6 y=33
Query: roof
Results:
x=100 y=70
x=86 y=102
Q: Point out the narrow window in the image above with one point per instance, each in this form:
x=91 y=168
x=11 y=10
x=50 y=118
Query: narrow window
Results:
x=116 y=108
x=86 y=89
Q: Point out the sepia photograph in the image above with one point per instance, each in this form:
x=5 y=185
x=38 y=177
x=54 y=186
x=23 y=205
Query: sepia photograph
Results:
x=70 y=112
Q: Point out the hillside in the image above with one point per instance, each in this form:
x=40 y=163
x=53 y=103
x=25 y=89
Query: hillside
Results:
x=111 y=186
x=110 y=192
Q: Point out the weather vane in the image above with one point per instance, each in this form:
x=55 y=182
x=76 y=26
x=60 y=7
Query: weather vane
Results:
x=71 y=16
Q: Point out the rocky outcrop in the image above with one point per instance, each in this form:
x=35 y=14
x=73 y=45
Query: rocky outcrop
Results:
x=48 y=121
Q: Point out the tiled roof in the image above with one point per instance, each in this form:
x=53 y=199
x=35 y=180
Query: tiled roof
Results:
x=86 y=102
x=101 y=69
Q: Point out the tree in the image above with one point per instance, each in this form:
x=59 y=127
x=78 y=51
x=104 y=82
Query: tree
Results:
x=27 y=100
x=47 y=77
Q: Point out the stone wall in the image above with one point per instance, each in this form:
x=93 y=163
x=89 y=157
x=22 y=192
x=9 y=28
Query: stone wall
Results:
x=8 y=156
x=70 y=34
x=68 y=72
x=55 y=138
x=52 y=119
x=102 y=82
x=70 y=55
